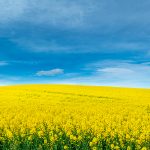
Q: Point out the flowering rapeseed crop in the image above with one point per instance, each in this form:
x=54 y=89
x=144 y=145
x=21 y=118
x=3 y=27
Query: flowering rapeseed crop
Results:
x=74 y=117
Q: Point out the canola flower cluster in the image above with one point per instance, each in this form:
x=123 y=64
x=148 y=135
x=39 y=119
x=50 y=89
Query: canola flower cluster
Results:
x=63 y=117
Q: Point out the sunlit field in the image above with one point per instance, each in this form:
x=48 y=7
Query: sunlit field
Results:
x=61 y=117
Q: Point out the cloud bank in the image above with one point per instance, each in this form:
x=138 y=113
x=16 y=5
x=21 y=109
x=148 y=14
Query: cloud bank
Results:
x=35 y=26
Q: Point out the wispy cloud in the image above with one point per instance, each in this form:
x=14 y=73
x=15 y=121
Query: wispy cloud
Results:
x=115 y=73
x=3 y=63
x=8 y=79
x=39 y=45
x=54 y=46
x=52 y=72
x=115 y=70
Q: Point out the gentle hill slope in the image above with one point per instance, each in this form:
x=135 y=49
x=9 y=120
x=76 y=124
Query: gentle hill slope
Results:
x=74 y=117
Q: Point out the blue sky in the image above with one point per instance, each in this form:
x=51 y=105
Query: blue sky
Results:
x=92 y=42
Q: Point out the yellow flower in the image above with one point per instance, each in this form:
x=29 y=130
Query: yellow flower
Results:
x=9 y=134
x=68 y=133
x=127 y=136
x=52 y=139
x=144 y=148
x=1 y=138
x=95 y=140
x=94 y=148
x=128 y=148
x=60 y=133
x=78 y=131
x=65 y=147
x=117 y=147
x=45 y=141
x=71 y=137
x=80 y=138
x=40 y=133
x=91 y=144
x=30 y=138
x=32 y=131
x=112 y=146
x=76 y=111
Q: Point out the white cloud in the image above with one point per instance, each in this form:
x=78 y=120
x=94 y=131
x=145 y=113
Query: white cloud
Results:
x=3 y=63
x=121 y=68
x=114 y=73
x=123 y=73
x=52 y=72
x=115 y=70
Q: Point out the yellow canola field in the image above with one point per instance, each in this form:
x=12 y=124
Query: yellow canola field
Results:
x=74 y=117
